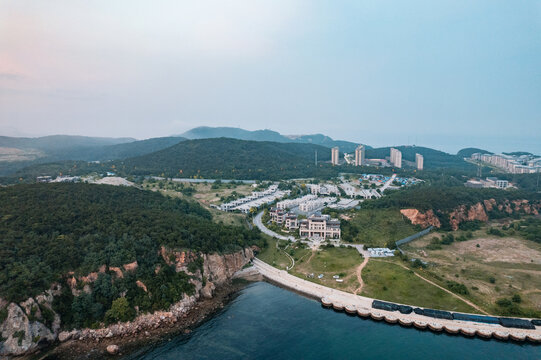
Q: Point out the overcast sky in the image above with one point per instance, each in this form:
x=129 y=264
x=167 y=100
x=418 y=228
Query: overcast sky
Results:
x=378 y=72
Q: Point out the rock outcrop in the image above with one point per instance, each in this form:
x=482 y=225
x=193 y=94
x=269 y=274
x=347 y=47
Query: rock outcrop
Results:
x=25 y=328
x=479 y=211
x=220 y=268
x=418 y=218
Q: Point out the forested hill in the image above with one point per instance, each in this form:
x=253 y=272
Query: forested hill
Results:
x=231 y=159
x=432 y=158
x=447 y=198
x=47 y=230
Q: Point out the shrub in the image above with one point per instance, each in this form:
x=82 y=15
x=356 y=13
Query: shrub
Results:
x=120 y=311
x=516 y=298
x=457 y=287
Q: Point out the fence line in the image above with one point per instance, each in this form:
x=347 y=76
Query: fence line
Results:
x=414 y=236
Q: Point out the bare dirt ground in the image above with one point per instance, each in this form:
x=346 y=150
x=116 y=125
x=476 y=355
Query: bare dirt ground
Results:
x=114 y=180
x=12 y=154
x=359 y=275
x=511 y=250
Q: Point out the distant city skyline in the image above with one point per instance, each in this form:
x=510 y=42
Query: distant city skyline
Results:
x=446 y=75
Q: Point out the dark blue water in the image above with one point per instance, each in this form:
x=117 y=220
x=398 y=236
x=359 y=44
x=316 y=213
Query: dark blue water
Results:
x=267 y=322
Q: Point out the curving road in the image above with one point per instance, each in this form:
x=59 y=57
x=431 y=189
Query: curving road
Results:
x=259 y=224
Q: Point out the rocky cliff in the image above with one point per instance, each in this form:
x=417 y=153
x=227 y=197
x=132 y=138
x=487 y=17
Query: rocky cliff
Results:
x=32 y=324
x=480 y=211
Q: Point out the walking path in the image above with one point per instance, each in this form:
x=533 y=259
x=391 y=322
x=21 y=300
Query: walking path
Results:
x=361 y=305
x=442 y=288
x=359 y=277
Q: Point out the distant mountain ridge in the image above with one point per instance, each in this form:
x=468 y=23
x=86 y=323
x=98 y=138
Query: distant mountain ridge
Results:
x=66 y=147
x=59 y=142
x=206 y=132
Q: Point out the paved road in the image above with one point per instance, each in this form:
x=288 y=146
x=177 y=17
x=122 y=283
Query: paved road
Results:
x=259 y=224
x=386 y=185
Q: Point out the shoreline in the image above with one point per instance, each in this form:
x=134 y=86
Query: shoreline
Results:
x=202 y=311
x=362 y=306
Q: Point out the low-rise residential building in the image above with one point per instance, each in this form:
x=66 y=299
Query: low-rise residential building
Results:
x=489 y=182
x=323 y=189
x=523 y=164
x=319 y=226
x=291 y=221
x=282 y=217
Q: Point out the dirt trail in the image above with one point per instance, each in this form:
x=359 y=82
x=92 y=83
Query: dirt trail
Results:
x=442 y=288
x=359 y=277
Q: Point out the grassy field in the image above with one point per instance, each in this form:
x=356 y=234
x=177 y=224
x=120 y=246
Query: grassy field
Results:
x=492 y=268
x=375 y=228
x=388 y=281
x=330 y=262
x=273 y=256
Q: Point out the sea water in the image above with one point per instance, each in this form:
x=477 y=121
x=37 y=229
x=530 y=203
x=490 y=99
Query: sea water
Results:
x=267 y=322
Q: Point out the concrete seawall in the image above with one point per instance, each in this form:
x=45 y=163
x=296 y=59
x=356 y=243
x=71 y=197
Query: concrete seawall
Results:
x=340 y=301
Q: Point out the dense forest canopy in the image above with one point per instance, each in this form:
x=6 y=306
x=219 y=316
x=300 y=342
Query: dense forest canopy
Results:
x=231 y=159
x=47 y=230
x=445 y=198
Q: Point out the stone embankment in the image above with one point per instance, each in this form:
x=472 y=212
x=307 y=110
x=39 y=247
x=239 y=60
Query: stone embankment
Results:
x=362 y=306
x=25 y=330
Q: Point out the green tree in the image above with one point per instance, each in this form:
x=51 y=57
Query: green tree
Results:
x=120 y=311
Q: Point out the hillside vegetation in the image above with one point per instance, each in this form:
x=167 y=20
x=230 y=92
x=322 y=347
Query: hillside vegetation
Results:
x=445 y=198
x=47 y=230
x=231 y=159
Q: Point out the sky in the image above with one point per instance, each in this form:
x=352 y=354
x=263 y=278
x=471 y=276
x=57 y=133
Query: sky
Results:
x=446 y=74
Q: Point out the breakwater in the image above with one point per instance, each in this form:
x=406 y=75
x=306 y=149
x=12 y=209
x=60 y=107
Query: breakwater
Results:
x=362 y=306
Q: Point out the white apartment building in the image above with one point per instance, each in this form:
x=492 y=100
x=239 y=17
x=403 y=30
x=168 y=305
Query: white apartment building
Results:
x=359 y=155
x=335 y=155
x=396 y=157
x=419 y=161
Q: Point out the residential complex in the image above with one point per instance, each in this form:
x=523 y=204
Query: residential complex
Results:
x=316 y=204
x=324 y=189
x=291 y=203
x=419 y=161
x=319 y=226
x=335 y=155
x=256 y=200
x=396 y=157
x=359 y=155
x=523 y=164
